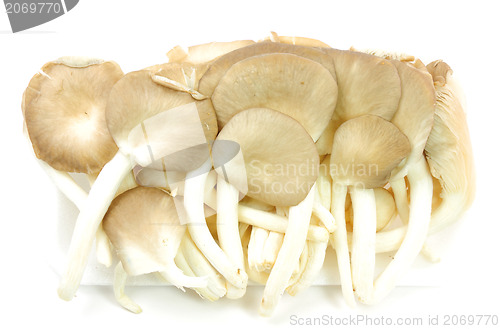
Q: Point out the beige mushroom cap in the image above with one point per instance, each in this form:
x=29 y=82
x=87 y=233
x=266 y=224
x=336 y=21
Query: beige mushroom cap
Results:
x=205 y=52
x=299 y=41
x=64 y=109
x=366 y=85
x=144 y=228
x=293 y=85
x=449 y=149
x=218 y=68
x=280 y=157
x=136 y=98
x=365 y=151
x=415 y=113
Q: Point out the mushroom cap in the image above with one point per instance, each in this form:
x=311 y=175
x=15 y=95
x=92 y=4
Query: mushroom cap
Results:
x=205 y=52
x=448 y=149
x=415 y=113
x=366 y=85
x=218 y=68
x=144 y=228
x=365 y=151
x=299 y=41
x=293 y=85
x=137 y=103
x=64 y=110
x=280 y=157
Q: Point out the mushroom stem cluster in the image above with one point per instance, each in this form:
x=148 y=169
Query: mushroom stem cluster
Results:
x=244 y=161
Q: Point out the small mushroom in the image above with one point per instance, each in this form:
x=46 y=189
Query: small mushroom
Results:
x=148 y=122
x=278 y=154
x=144 y=228
x=365 y=151
x=298 y=41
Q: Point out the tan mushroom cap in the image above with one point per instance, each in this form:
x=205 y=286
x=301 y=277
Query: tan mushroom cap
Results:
x=205 y=52
x=64 y=110
x=144 y=228
x=448 y=149
x=415 y=114
x=365 y=151
x=366 y=85
x=299 y=41
x=293 y=85
x=280 y=157
x=136 y=98
x=218 y=68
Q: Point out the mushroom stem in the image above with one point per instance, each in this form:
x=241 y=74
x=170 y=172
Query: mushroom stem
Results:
x=315 y=259
x=120 y=278
x=87 y=223
x=276 y=223
x=201 y=267
x=289 y=254
x=77 y=195
x=401 y=198
x=363 y=241
x=228 y=230
x=103 y=251
x=194 y=204
x=65 y=184
x=258 y=238
x=204 y=293
x=339 y=241
x=418 y=226
x=322 y=213
x=175 y=276
x=271 y=249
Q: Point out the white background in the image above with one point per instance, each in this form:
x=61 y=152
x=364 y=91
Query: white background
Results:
x=137 y=34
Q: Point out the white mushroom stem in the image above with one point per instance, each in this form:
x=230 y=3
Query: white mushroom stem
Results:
x=120 y=279
x=401 y=198
x=339 y=242
x=201 y=267
x=258 y=237
x=65 y=184
x=299 y=267
x=293 y=244
x=77 y=195
x=228 y=230
x=418 y=225
x=204 y=293
x=271 y=249
x=276 y=223
x=175 y=276
x=100 y=196
x=322 y=213
x=316 y=252
x=194 y=189
x=363 y=241
x=103 y=250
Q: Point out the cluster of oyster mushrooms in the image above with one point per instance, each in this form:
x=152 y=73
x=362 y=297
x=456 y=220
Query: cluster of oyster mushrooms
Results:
x=245 y=160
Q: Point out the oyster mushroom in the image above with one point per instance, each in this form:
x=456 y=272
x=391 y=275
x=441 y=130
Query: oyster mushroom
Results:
x=265 y=158
x=365 y=151
x=144 y=228
x=148 y=122
x=64 y=118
